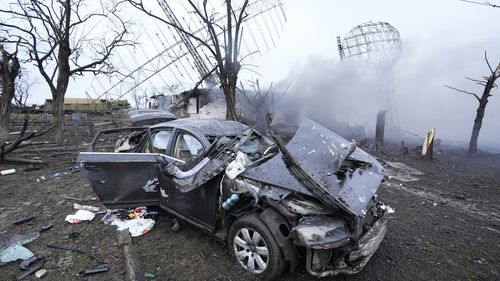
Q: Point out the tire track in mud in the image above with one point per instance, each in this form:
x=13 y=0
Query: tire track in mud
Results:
x=469 y=209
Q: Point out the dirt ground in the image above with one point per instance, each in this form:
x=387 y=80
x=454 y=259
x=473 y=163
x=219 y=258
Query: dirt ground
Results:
x=446 y=225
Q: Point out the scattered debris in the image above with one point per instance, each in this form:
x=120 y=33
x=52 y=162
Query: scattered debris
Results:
x=74 y=249
x=29 y=169
x=384 y=207
x=176 y=226
x=108 y=217
x=46 y=228
x=77 y=206
x=72 y=234
x=141 y=212
x=27 y=262
x=148 y=274
x=80 y=216
x=11 y=248
x=78 y=199
x=56 y=174
x=42 y=178
x=8 y=172
x=72 y=198
x=64 y=262
x=98 y=269
x=23 y=221
x=28 y=273
x=136 y=227
x=72 y=169
x=40 y=273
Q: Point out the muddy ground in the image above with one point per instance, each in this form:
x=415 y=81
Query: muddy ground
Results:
x=446 y=225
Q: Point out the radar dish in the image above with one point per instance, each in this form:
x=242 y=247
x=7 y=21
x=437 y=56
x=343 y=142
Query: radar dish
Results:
x=379 y=44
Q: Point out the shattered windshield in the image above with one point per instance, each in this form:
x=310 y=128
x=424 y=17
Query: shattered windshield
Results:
x=256 y=147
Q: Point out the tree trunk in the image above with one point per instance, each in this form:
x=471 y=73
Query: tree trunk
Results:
x=58 y=112
x=9 y=71
x=63 y=75
x=478 y=121
x=230 y=96
x=8 y=91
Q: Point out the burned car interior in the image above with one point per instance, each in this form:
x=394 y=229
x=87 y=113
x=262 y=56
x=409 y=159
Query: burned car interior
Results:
x=274 y=203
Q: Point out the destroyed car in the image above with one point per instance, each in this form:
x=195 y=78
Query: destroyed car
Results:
x=275 y=204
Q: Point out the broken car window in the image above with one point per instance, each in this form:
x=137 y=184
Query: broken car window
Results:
x=186 y=146
x=118 y=140
x=160 y=140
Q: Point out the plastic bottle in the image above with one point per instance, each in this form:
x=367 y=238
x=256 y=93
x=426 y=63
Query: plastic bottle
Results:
x=230 y=201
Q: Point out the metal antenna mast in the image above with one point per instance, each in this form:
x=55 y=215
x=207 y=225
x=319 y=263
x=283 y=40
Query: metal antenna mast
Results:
x=198 y=61
x=181 y=58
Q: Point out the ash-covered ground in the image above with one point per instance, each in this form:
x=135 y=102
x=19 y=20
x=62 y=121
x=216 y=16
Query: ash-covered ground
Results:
x=446 y=225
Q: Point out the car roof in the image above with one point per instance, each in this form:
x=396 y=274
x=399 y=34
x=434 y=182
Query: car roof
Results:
x=142 y=111
x=152 y=115
x=207 y=127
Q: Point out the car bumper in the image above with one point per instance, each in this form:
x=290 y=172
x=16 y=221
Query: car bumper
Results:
x=355 y=260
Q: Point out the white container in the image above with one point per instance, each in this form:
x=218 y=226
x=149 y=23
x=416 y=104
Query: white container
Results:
x=8 y=172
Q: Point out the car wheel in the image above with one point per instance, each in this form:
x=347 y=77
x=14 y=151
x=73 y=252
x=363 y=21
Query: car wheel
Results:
x=253 y=246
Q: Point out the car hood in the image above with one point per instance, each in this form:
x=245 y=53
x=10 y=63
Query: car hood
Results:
x=317 y=162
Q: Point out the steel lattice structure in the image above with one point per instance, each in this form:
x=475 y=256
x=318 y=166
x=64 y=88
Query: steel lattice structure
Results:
x=168 y=57
x=379 y=45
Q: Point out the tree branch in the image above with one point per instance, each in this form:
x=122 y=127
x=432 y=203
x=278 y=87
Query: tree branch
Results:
x=464 y=92
x=484 y=3
x=479 y=82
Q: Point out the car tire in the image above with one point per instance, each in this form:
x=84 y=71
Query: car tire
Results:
x=253 y=246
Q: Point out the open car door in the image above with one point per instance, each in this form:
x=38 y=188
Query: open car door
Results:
x=189 y=187
x=119 y=171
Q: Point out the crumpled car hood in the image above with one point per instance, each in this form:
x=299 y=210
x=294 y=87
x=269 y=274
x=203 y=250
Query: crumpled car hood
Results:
x=314 y=162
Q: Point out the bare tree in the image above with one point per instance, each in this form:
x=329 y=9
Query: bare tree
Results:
x=223 y=44
x=10 y=70
x=23 y=90
x=488 y=82
x=61 y=39
x=484 y=3
x=140 y=99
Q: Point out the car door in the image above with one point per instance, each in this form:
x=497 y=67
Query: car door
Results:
x=199 y=204
x=121 y=165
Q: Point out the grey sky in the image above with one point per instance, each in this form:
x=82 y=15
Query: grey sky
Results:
x=443 y=42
